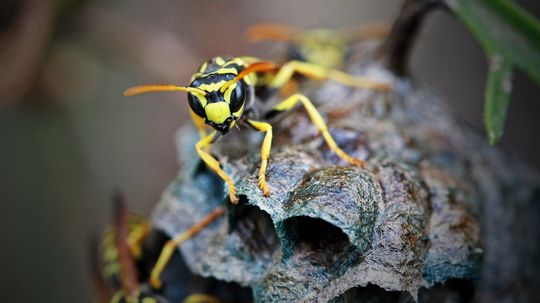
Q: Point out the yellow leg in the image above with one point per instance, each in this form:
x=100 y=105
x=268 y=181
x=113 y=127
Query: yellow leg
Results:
x=201 y=298
x=265 y=153
x=319 y=72
x=136 y=237
x=171 y=245
x=119 y=295
x=213 y=164
x=316 y=118
x=199 y=123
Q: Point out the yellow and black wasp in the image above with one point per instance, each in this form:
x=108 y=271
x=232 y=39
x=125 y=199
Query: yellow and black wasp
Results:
x=138 y=228
x=222 y=93
x=122 y=253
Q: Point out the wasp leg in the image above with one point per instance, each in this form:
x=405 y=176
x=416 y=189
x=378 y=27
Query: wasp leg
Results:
x=199 y=124
x=171 y=245
x=213 y=164
x=201 y=298
x=316 y=118
x=136 y=237
x=201 y=127
x=288 y=69
x=265 y=152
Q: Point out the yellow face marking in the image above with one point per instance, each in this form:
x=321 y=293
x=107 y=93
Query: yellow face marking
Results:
x=149 y=300
x=217 y=112
x=228 y=92
x=215 y=86
x=202 y=99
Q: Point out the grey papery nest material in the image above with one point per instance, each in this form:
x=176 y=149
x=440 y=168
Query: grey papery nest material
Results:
x=408 y=221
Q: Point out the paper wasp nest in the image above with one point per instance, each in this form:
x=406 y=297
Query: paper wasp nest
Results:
x=404 y=227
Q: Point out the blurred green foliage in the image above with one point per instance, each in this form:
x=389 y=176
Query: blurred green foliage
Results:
x=510 y=37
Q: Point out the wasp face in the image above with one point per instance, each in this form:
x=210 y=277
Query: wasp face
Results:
x=220 y=109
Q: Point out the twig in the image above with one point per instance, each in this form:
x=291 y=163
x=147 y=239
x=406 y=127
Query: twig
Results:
x=394 y=53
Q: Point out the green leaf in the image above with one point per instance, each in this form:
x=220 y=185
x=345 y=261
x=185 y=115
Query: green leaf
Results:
x=505 y=29
x=498 y=90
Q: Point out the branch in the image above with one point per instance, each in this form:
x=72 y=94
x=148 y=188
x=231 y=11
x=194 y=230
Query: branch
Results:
x=394 y=53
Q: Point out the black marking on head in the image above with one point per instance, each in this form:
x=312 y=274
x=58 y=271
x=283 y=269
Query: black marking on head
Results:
x=224 y=127
x=238 y=97
x=196 y=105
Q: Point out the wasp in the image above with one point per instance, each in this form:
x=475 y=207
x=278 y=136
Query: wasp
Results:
x=122 y=249
x=222 y=94
x=328 y=48
x=137 y=229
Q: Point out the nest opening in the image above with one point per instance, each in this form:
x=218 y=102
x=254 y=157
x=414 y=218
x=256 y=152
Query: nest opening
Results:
x=320 y=241
x=373 y=293
x=254 y=226
x=453 y=290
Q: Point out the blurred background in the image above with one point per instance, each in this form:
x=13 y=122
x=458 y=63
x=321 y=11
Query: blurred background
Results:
x=68 y=137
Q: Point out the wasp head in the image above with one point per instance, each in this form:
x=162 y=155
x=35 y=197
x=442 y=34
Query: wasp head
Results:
x=218 y=100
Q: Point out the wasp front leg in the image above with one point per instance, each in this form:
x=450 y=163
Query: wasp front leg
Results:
x=317 y=119
x=213 y=164
x=199 y=124
x=265 y=152
x=311 y=70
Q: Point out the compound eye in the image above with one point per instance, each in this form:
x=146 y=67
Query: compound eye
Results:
x=238 y=97
x=196 y=105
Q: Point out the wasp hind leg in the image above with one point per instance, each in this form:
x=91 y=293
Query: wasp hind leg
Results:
x=201 y=298
x=311 y=70
x=213 y=164
x=171 y=245
x=265 y=152
x=317 y=119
